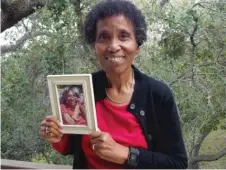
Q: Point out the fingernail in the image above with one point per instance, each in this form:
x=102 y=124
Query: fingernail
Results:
x=59 y=124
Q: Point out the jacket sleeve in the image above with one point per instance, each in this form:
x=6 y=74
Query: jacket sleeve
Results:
x=69 y=144
x=169 y=149
x=63 y=145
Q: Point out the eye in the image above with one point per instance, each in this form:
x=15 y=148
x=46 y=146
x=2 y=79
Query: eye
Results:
x=124 y=35
x=102 y=36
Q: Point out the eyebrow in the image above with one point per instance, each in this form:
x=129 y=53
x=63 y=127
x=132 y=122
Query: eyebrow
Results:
x=126 y=31
x=104 y=30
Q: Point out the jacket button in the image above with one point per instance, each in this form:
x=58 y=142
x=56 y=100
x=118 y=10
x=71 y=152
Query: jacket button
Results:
x=132 y=106
x=142 y=113
x=149 y=137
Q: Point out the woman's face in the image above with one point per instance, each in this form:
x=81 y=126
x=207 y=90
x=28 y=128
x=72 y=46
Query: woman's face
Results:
x=115 y=44
x=70 y=99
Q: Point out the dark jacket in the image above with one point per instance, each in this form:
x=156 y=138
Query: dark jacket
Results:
x=153 y=105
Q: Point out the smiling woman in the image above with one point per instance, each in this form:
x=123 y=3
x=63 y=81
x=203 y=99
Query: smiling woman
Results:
x=136 y=114
x=116 y=44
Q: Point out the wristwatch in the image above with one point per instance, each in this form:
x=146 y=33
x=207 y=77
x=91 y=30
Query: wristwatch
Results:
x=133 y=157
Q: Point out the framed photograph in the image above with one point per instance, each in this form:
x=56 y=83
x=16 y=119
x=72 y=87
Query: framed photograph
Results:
x=72 y=102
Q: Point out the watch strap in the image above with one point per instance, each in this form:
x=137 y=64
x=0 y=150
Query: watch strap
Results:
x=133 y=157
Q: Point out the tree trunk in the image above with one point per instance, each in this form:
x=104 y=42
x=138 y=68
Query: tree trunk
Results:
x=13 y=12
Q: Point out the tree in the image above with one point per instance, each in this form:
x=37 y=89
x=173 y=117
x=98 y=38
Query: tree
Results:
x=24 y=86
x=191 y=51
x=185 y=48
x=14 y=11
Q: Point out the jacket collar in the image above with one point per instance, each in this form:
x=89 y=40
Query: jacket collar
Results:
x=100 y=82
x=101 y=75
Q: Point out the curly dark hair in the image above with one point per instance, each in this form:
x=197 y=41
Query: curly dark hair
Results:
x=107 y=8
x=75 y=90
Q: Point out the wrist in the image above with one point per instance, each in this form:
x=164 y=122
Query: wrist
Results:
x=133 y=157
x=125 y=155
x=57 y=139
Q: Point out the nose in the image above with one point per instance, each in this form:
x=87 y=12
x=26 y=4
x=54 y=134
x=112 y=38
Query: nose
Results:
x=114 y=46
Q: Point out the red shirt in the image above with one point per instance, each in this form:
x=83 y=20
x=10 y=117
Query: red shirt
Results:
x=80 y=120
x=65 y=109
x=120 y=124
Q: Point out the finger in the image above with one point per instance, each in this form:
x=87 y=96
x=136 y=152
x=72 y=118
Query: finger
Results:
x=100 y=139
x=44 y=134
x=53 y=119
x=96 y=140
x=53 y=125
x=46 y=122
x=43 y=128
x=55 y=133
x=95 y=147
x=98 y=146
x=49 y=137
x=96 y=134
x=43 y=131
x=43 y=123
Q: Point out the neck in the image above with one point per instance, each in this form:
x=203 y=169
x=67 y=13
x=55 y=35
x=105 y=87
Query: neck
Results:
x=120 y=81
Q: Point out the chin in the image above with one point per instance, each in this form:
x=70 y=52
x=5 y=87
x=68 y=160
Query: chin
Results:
x=115 y=70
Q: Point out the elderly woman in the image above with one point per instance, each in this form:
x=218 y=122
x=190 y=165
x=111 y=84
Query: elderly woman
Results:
x=137 y=115
x=72 y=107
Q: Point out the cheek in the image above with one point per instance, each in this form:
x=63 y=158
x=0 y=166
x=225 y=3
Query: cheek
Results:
x=130 y=47
x=131 y=51
x=99 y=49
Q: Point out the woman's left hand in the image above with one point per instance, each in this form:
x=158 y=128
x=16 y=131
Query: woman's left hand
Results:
x=105 y=146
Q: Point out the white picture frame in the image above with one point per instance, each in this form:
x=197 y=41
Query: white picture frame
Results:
x=77 y=114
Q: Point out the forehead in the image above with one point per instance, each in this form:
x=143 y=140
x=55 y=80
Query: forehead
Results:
x=70 y=92
x=115 y=22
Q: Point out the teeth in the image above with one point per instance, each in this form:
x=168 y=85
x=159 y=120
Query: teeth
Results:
x=115 y=59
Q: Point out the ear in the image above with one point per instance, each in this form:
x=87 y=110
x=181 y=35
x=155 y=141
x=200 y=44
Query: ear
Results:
x=137 y=50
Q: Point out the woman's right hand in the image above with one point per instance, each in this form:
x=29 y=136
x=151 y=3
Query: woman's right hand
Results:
x=51 y=129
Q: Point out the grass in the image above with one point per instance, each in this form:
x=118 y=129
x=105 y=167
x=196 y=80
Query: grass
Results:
x=214 y=143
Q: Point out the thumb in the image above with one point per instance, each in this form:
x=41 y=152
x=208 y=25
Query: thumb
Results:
x=98 y=130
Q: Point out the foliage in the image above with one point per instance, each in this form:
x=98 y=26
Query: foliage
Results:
x=214 y=143
x=185 y=48
x=25 y=99
x=20 y=107
x=50 y=156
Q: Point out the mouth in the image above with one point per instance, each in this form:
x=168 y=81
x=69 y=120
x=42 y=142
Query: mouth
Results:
x=115 y=59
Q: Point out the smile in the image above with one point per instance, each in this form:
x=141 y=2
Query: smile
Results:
x=115 y=59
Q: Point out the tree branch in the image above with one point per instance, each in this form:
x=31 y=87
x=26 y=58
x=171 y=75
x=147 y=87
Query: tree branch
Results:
x=196 y=148
x=193 y=133
x=78 y=12
x=161 y=3
x=16 y=10
x=205 y=7
x=177 y=79
x=200 y=158
x=193 y=49
x=21 y=41
x=192 y=57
